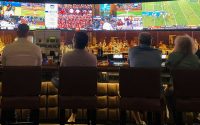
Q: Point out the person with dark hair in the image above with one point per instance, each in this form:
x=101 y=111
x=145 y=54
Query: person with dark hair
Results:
x=145 y=38
x=144 y=56
x=79 y=57
x=21 y=52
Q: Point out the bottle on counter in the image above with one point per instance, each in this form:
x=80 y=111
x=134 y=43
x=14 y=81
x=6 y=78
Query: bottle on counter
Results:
x=100 y=52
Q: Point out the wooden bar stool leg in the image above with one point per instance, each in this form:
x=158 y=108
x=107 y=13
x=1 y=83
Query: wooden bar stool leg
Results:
x=34 y=116
x=179 y=118
x=122 y=117
x=91 y=116
x=7 y=115
x=158 y=116
x=150 y=118
x=62 y=116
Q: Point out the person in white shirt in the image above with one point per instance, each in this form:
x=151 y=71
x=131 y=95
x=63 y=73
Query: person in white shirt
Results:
x=107 y=26
x=22 y=52
x=79 y=57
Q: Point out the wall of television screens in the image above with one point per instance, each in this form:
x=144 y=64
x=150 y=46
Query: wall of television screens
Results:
x=179 y=14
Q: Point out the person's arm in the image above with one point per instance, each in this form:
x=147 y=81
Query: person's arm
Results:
x=62 y=61
x=39 y=57
x=168 y=63
x=96 y=61
x=129 y=56
x=160 y=55
x=3 y=60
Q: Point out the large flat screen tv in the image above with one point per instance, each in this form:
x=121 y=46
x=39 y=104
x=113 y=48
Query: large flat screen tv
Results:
x=75 y=16
x=179 y=14
x=14 y=13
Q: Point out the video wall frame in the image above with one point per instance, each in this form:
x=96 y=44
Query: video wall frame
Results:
x=179 y=14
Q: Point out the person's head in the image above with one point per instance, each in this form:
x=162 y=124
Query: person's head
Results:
x=184 y=44
x=145 y=38
x=22 y=30
x=80 y=40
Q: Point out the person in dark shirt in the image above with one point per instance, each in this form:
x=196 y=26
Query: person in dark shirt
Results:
x=144 y=56
x=182 y=57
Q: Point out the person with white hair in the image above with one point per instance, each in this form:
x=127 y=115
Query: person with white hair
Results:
x=182 y=57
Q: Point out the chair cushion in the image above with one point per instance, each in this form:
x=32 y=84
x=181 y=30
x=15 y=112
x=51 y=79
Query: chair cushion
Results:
x=140 y=104
x=77 y=102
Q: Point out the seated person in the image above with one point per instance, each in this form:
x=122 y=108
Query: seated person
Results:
x=144 y=56
x=20 y=53
x=182 y=57
x=78 y=57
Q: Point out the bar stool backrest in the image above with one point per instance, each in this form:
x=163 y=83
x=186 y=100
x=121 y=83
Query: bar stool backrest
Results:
x=21 y=81
x=186 y=83
x=78 y=81
x=139 y=82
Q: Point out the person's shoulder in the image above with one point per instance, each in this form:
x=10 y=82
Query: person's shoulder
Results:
x=135 y=48
x=175 y=55
x=36 y=46
x=92 y=55
x=68 y=54
x=9 y=46
x=195 y=57
x=157 y=50
x=33 y=45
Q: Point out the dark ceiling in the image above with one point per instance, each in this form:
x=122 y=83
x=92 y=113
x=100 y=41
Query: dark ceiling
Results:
x=85 y=1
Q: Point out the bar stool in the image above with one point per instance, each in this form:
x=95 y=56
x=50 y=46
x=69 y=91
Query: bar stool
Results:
x=139 y=90
x=186 y=90
x=20 y=90
x=77 y=89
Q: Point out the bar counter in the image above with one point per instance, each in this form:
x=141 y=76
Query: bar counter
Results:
x=53 y=68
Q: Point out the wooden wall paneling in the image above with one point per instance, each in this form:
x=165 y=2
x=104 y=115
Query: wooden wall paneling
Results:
x=9 y=36
x=196 y=36
x=121 y=35
x=154 y=35
x=69 y=36
x=1 y=36
x=131 y=36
